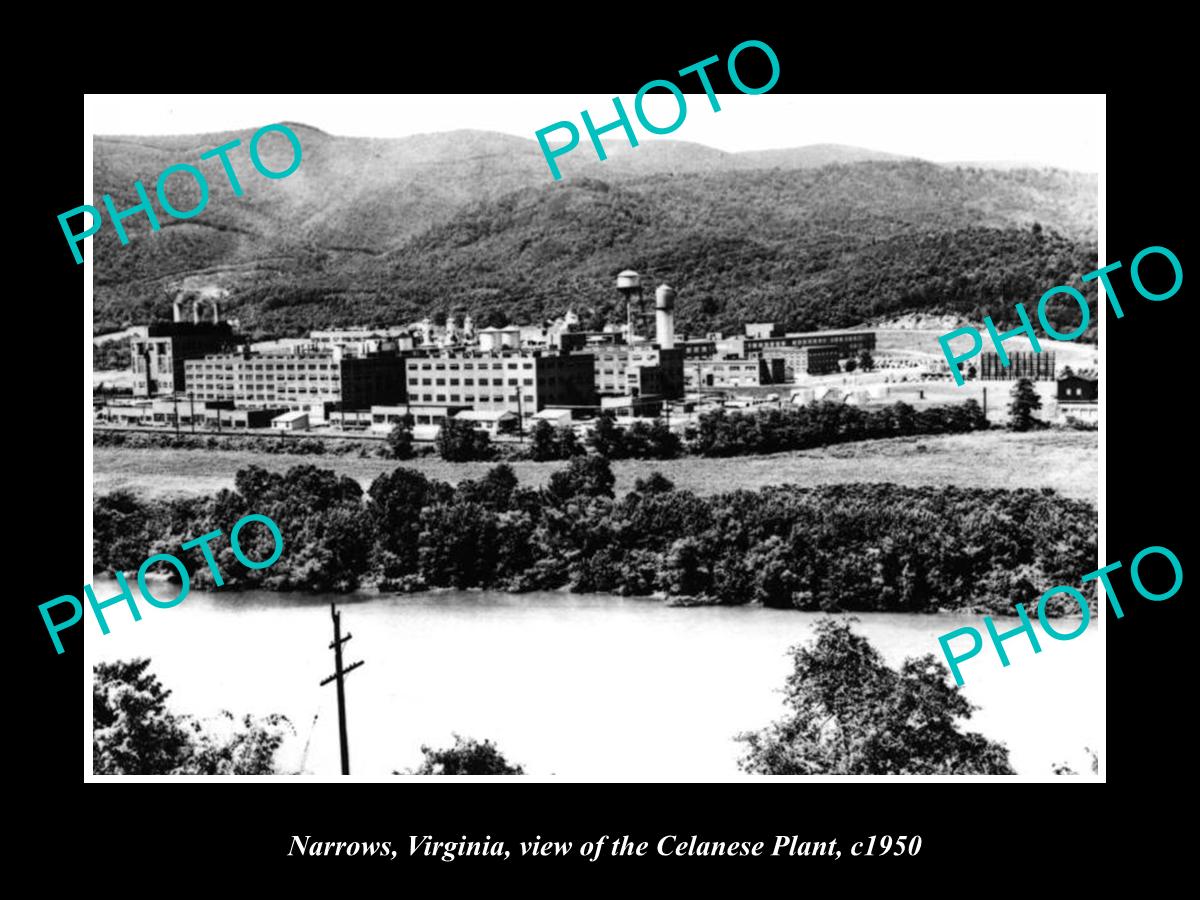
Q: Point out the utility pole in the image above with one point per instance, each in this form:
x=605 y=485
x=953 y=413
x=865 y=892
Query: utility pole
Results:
x=175 y=403
x=339 y=674
x=985 y=402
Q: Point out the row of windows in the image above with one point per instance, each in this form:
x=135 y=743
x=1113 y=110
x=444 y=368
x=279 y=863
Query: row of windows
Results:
x=268 y=367
x=470 y=366
x=470 y=398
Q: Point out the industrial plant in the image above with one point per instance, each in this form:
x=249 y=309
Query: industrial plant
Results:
x=201 y=374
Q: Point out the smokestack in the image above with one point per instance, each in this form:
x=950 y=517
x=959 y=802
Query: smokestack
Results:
x=664 y=316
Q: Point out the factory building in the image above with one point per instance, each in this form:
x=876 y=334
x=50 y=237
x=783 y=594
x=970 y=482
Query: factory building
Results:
x=519 y=381
x=576 y=341
x=731 y=373
x=159 y=353
x=847 y=343
x=698 y=349
x=297 y=380
x=800 y=361
x=1022 y=364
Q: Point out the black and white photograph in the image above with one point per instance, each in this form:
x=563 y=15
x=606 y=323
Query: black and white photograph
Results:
x=457 y=434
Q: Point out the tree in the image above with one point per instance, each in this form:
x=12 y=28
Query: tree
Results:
x=607 y=439
x=467 y=757
x=590 y=476
x=654 y=483
x=399 y=439
x=133 y=732
x=1025 y=400
x=850 y=365
x=866 y=361
x=459 y=441
x=542 y=443
x=853 y=715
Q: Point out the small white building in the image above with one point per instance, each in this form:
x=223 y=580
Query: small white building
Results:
x=494 y=422
x=293 y=420
x=555 y=417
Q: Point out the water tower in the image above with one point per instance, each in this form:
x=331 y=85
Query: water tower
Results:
x=629 y=283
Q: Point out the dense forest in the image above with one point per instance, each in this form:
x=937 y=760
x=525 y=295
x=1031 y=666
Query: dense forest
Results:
x=808 y=248
x=843 y=547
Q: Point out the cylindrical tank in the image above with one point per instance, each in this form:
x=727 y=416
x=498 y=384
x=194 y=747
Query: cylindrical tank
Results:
x=492 y=339
x=664 y=316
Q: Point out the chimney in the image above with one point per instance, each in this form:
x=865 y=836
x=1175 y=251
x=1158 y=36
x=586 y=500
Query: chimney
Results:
x=196 y=311
x=216 y=311
x=664 y=316
x=177 y=309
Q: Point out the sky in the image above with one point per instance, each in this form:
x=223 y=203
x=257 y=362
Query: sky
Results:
x=1065 y=131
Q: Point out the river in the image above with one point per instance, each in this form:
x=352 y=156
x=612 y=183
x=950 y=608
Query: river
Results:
x=581 y=686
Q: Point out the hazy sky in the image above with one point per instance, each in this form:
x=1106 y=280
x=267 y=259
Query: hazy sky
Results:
x=1066 y=131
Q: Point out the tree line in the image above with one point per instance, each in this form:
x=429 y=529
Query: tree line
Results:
x=837 y=547
x=717 y=433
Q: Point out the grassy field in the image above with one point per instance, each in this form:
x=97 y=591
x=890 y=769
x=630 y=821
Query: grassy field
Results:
x=1064 y=460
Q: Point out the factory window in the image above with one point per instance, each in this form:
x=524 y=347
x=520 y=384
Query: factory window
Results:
x=414 y=381
x=512 y=398
x=527 y=365
x=439 y=366
x=528 y=381
x=424 y=365
x=453 y=382
x=528 y=398
x=512 y=365
x=427 y=398
x=512 y=381
x=441 y=398
x=440 y=382
x=454 y=398
x=469 y=398
x=427 y=381
x=469 y=381
x=453 y=367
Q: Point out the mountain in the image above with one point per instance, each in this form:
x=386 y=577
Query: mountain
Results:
x=373 y=230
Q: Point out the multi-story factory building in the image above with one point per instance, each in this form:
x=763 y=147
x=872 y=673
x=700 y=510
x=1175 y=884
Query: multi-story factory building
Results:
x=1021 y=364
x=160 y=352
x=297 y=380
x=847 y=343
x=731 y=373
x=518 y=381
x=640 y=370
x=799 y=361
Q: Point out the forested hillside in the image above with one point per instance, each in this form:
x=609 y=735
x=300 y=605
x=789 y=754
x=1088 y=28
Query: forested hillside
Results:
x=392 y=230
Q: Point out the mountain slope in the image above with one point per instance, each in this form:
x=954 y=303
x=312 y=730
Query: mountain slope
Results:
x=375 y=230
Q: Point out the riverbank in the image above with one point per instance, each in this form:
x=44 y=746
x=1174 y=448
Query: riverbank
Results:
x=1066 y=461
